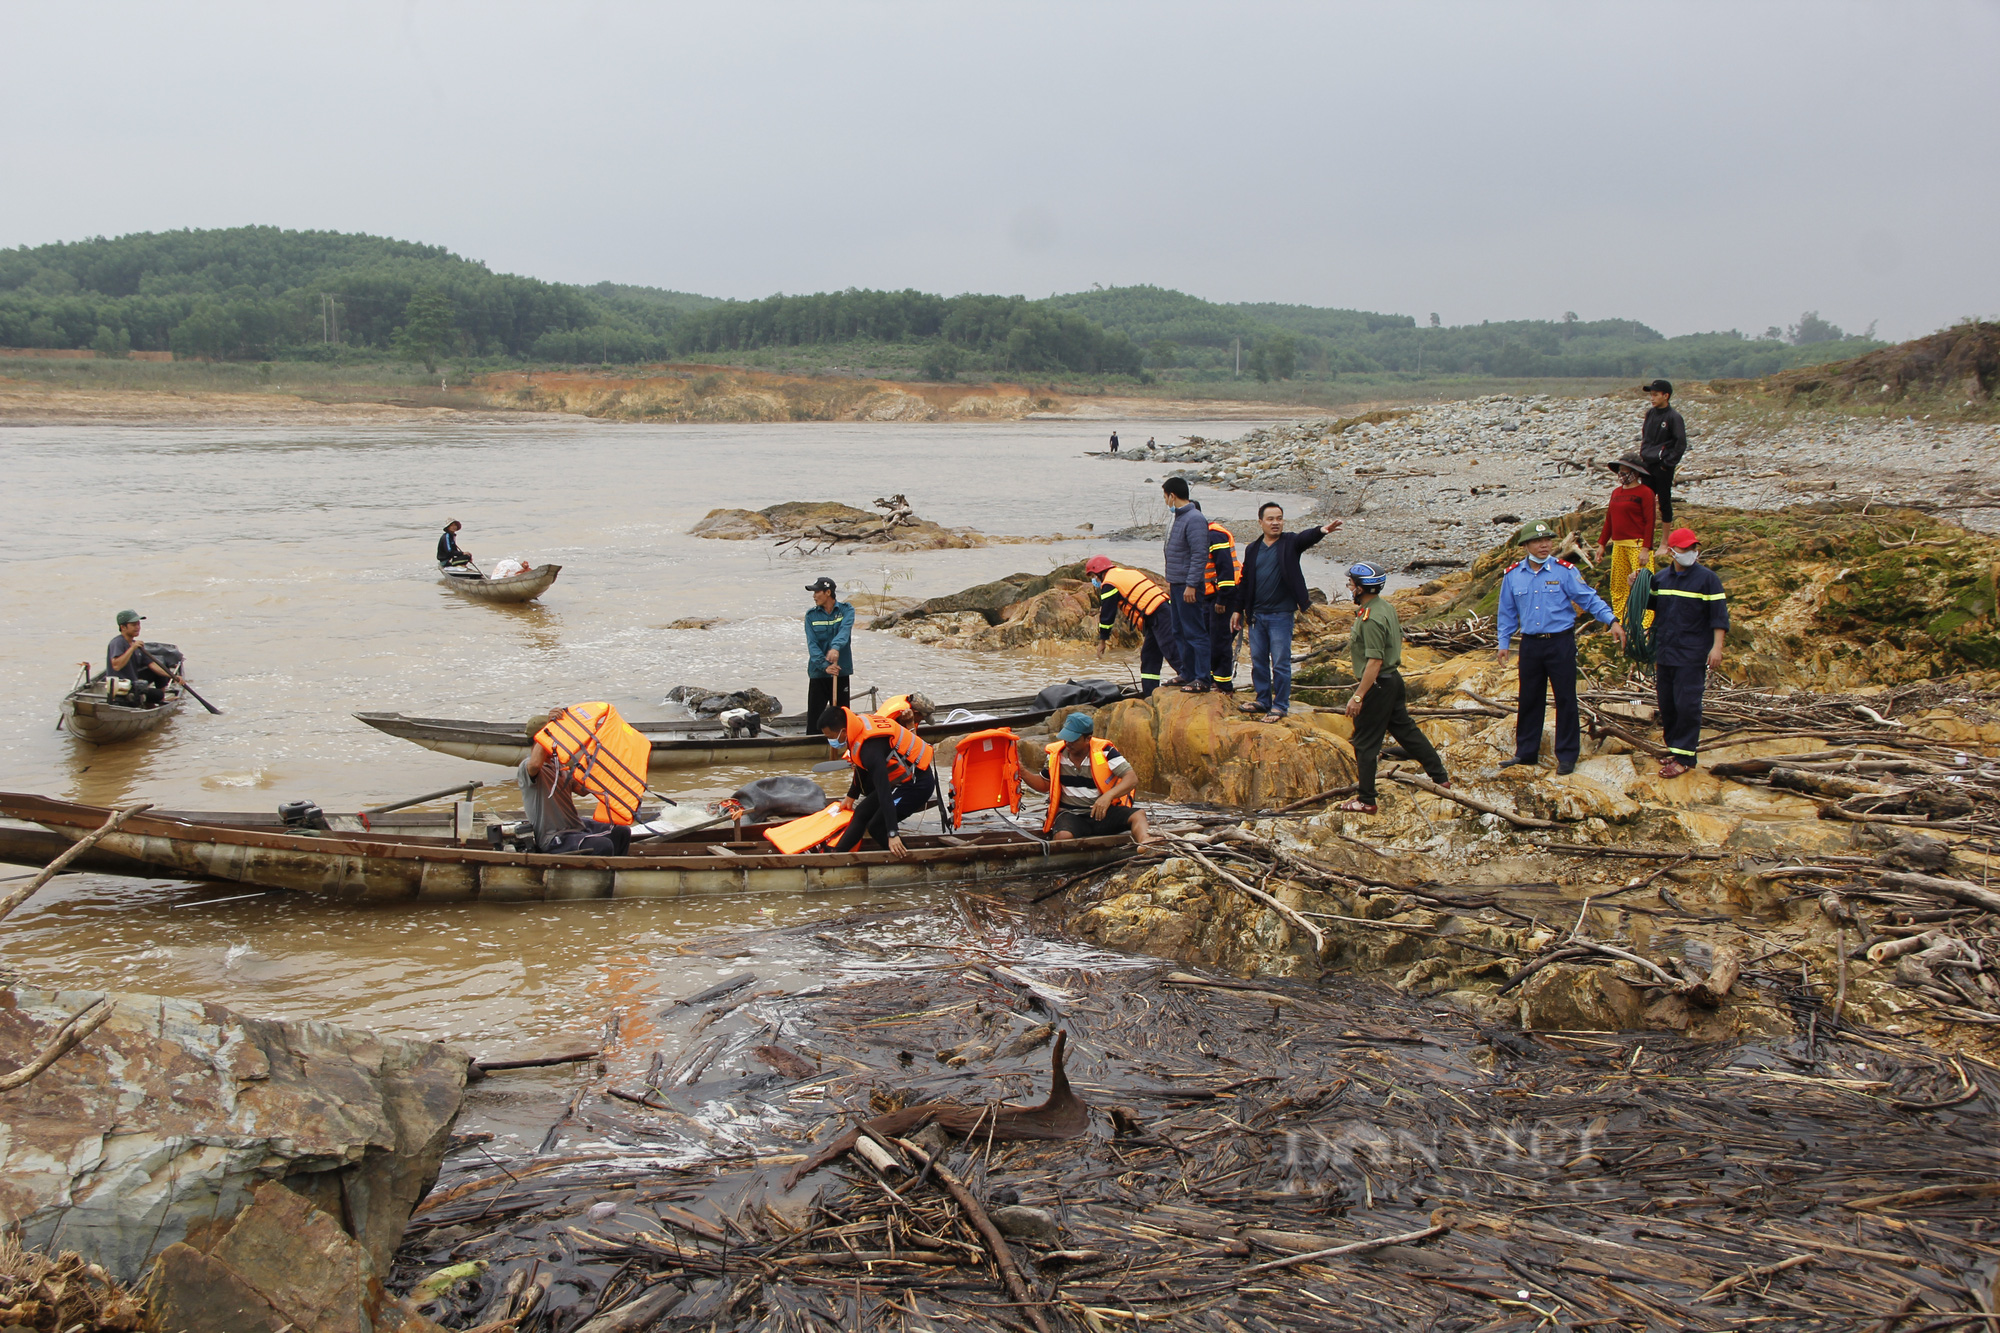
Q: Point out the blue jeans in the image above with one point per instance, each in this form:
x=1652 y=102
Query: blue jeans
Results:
x=1271 y=660
x=1190 y=651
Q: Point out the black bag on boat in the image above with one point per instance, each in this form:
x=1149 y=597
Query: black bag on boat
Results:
x=781 y=794
x=1080 y=693
x=594 y=839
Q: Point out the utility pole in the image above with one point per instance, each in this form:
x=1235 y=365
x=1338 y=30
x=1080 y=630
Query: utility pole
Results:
x=1238 y=344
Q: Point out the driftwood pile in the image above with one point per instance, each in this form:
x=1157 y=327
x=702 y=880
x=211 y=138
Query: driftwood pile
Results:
x=1253 y=1156
x=818 y=537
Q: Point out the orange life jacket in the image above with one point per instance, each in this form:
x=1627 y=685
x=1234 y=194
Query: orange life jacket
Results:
x=985 y=773
x=601 y=754
x=802 y=835
x=1142 y=596
x=909 y=753
x=1100 y=773
x=1219 y=539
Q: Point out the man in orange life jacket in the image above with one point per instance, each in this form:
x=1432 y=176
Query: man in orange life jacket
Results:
x=1093 y=786
x=548 y=798
x=893 y=775
x=1144 y=606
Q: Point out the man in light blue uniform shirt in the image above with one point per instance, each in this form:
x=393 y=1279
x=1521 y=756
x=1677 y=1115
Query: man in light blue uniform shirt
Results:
x=1539 y=598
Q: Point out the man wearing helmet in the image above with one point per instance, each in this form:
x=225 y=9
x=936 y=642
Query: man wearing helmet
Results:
x=1378 y=704
x=1143 y=603
x=1539 y=597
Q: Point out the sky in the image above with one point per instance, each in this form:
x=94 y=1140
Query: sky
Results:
x=1695 y=166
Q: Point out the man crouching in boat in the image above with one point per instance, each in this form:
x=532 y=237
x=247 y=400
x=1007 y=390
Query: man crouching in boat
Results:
x=1093 y=786
x=893 y=776
x=550 y=781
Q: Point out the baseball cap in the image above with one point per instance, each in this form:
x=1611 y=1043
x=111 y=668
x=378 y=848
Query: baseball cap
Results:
x=1075 y=727
x=820 y=584
x=1097 y=564
x=129 y=617
x=1682 y=538
x=1533 y=531
x=1657 y=386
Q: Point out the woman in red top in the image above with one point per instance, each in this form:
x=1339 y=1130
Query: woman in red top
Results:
x=1629 y=524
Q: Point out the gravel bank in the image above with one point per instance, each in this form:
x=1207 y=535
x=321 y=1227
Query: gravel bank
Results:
x=1434 y=486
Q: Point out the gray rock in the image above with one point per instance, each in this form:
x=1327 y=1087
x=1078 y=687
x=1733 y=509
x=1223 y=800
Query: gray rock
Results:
x=169 y=1117
x=1025 y=1223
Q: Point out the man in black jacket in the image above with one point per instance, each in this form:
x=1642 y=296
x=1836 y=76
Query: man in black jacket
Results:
x=1270 y=592
x=1663 y=441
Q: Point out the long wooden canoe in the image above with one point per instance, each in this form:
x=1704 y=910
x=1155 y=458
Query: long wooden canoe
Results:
x=90 y=713
x=396 y=866
x=518 y=588
x=693 y=743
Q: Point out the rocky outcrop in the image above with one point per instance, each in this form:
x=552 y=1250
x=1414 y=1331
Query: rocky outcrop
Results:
x=827 y=524
x=1197 y=747
x=281 y=1264
x=161 y=1125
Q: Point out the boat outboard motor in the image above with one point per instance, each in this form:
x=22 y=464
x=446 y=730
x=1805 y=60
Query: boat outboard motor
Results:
x=741 y=721
x=303 y=815
x=518 y=836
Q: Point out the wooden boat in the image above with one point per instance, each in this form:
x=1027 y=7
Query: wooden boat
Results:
x=393 y=865
x=696 y=742
x=91 y=712
x=518 y=588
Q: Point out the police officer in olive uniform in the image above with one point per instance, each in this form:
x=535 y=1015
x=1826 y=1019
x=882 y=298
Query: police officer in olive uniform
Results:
x=1539 y=598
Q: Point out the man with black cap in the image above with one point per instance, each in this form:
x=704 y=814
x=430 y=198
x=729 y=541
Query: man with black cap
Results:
x=1663 y=441
x=829 y=657
x=1539 y=597
x=126 y=658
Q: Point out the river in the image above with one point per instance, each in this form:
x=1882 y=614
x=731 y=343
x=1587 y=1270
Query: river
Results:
x=294 y=567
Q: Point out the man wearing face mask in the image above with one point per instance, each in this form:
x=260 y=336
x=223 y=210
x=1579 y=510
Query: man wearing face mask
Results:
x=1539 y=598
x=1690 y=618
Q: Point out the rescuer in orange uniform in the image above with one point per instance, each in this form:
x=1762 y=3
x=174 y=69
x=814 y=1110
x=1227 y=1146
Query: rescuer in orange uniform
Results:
x=1127 y=592
x=893 y=775
x=1090 y=786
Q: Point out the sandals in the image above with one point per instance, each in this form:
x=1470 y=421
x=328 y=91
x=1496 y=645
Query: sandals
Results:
x=1272 y=717
x=1673 y=768
x=1251 y=707
x=1357 y=806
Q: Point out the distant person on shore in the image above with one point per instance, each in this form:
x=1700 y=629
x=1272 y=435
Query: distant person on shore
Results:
x=1149 y=442
x=1127 y=592
x=1186 y=559
x=1539 y=596
x=1270 y=593
x=829 y=649
x=1690 y=620
x=449 y=554
x=126 y=659
x=1114 y=441
x=1379 y=704
x=1089 y=785
x=1629 y=527
x=1663 y=442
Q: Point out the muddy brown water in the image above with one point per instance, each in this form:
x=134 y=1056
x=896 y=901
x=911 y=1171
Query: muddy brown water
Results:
x=294 y=567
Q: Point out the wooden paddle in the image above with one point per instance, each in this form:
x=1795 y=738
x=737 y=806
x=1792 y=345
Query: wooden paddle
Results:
x=191 y=690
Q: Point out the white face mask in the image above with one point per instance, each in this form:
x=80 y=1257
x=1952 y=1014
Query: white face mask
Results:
x=1686 y=558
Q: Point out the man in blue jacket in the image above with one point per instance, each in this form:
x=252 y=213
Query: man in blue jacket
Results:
x=1186 y=565
x=1270 y=592
x=1539 y=598
x=829 y=658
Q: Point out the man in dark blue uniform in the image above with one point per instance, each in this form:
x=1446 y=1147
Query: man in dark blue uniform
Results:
x=1539 y=598
x=1690 y=618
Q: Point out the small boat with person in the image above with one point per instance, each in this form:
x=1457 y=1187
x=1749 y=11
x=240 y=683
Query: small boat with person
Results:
x=453 y=858
x=524 y=587
x=103 y=709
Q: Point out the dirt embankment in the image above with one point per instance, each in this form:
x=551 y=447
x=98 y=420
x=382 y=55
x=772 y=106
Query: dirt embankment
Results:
x=1958 y=367
x=729 y=393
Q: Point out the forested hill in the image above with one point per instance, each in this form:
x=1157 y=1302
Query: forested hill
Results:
x=265 y=293
x=1178 y=331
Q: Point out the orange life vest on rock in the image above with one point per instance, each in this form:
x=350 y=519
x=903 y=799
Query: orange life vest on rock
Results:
x=1142 y=596
x=1100 y=773
x=909 y=753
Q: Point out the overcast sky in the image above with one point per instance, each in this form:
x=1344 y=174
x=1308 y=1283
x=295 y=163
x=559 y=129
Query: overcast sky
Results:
x=1695 y=166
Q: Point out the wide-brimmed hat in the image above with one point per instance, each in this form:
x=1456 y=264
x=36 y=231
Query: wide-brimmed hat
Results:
x=1630 y=460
